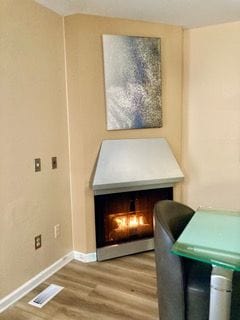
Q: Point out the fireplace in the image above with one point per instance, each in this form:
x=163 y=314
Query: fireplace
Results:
x=126 y=216
x=131 y=176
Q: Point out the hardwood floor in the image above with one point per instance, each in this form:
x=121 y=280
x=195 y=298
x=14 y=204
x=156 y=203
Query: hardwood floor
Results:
x=118 y=289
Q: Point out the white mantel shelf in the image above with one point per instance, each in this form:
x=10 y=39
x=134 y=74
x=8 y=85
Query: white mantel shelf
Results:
x=135 y=164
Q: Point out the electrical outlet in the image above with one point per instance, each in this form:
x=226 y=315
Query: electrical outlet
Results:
x=57 y=231
x=38 y=241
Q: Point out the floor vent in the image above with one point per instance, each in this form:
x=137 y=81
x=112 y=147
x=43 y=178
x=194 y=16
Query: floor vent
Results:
x=46 y=295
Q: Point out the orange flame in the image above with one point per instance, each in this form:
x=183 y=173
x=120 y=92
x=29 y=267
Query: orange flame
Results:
x=132 y=221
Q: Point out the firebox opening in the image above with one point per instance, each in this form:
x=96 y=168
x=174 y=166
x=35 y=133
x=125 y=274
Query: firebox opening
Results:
x=127 y=216
x=131 y=225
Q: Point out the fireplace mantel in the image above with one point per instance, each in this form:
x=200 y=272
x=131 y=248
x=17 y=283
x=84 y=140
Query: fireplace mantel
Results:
x=135 y=164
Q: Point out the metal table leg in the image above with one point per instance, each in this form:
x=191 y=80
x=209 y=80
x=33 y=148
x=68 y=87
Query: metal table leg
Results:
x=220 y=296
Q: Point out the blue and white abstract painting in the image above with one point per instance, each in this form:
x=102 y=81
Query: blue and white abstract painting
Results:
x=132 y=68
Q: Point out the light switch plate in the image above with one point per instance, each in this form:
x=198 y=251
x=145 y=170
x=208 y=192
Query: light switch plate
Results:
x=54 y=162
x=37 y=163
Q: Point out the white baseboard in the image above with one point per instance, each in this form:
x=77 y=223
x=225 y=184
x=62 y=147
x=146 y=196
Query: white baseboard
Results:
x=84 y=257
x=43 y=275
x=34 y=282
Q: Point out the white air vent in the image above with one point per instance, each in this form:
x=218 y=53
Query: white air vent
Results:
x=46 y=295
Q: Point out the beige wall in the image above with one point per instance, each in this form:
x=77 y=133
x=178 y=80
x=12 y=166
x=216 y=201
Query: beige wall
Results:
x=211 y=116
x=87 y=105
x=32 y=124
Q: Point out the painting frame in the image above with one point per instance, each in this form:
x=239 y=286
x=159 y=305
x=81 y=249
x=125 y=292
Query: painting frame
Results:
x=133 y=84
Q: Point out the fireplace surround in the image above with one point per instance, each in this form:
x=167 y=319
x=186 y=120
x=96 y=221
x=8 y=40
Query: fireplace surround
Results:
x=131 y=176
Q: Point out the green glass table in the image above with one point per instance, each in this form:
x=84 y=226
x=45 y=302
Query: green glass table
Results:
x=213 y=236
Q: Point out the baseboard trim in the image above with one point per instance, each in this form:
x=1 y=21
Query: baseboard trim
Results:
x=85 y=257
x=35 y=281
x=43 y=275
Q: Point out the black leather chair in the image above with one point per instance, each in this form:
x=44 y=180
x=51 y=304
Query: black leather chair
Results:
x=183 y=284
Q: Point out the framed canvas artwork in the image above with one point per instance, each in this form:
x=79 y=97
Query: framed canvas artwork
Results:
x=132 y=70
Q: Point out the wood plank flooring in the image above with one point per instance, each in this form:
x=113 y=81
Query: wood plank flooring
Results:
x=118 y=289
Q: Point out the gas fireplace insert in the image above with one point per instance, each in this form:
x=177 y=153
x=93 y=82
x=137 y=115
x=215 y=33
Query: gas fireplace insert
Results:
x=124 y=221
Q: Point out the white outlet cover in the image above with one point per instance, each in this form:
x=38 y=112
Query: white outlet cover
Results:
x=57 y=231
